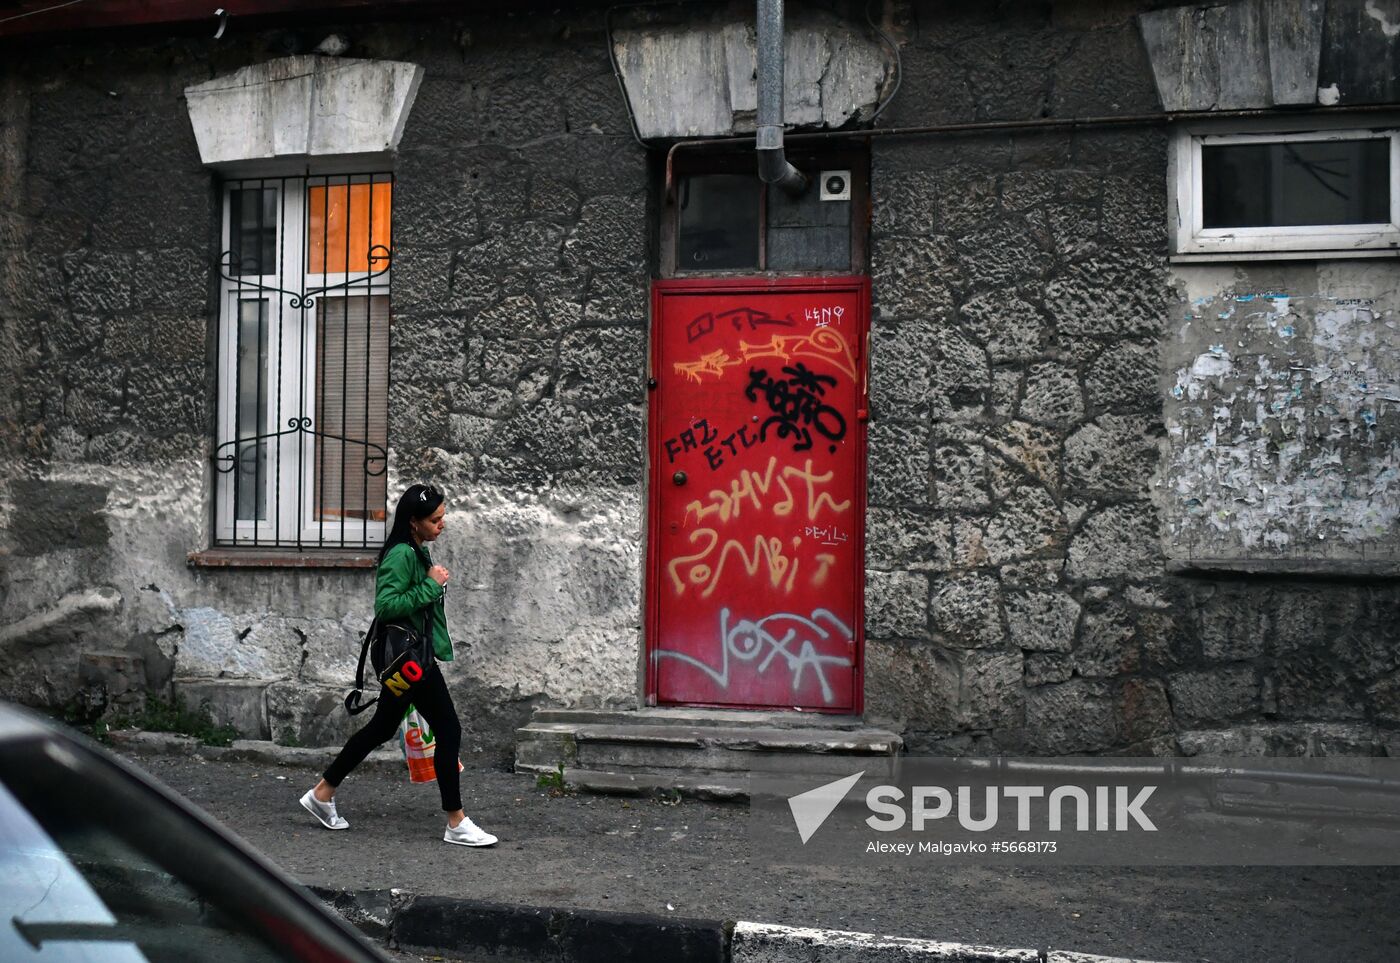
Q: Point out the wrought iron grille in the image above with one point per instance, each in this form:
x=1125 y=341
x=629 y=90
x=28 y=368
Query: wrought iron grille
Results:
x=301 y=444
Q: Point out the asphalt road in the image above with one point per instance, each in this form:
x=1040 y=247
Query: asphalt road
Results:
x=692 y=860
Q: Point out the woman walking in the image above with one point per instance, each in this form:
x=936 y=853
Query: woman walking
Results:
x=409 y=590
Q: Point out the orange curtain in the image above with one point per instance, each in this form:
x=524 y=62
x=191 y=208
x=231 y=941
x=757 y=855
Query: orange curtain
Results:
x=345 y=222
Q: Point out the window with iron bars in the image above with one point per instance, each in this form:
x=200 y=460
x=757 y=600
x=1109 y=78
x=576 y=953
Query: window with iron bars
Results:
x=301 y=446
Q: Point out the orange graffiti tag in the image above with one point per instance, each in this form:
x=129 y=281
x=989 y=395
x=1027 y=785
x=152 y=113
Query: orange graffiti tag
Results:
x=768 y=557
x=753 y=487
x=822 y=343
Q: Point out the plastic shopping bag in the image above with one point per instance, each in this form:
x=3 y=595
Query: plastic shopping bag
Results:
x=417 y=742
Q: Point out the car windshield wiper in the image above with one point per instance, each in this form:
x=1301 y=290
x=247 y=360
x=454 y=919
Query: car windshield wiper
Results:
x=141 y=934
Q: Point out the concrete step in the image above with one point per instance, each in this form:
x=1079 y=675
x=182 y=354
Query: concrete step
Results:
x=683 y=716
x=700 y=752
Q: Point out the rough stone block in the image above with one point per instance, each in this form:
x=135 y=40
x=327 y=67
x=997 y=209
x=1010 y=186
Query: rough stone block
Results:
x=1385 y=699
x=966 y=200
x=610 y=233
x=1118 y=542
x=896 y=604
x=1028 y=524
x=1146 y=712
x=1113 y=455
x=998 y=256
x=309 y=715
x=1031 y=449
x=962 y=379
x=1214 y=695
x=616 y=297
x=993 y=690
x=966 y=612
x=1234 y=624
x=1044 y=668
x=1010 y=328
x=1042 y=621
x=602 y=365
x=899 y=464
x=901 y=355
x=904 y=202
x=1053 y=395
x=242 y=705
x=1074 y=716
x=1106 y=296
x=1106 y=646
x=1313 y=685
x=118 y=677
x=960 y=476
x=909 y=277
x=897 y=538
x=911 y=685
x=1123 y=380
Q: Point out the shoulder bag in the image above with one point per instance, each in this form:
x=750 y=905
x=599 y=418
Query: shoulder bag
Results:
x=400 y=656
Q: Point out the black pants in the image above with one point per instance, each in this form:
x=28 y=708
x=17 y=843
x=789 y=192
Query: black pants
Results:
x=431 y=698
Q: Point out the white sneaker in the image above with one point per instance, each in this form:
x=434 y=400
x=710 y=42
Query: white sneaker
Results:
x=324 y=811
x=468 y=833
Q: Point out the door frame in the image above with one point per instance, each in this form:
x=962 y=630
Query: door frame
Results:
x=761 y=284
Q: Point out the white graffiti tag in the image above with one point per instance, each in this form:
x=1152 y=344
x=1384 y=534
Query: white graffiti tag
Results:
x=747 y=640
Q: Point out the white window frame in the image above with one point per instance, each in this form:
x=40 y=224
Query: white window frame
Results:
x=1191 y=241
x=292 y=492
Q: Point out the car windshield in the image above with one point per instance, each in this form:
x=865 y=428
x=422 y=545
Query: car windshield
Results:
x=94 y=867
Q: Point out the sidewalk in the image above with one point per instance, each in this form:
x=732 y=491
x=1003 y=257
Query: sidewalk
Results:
x=566 y=866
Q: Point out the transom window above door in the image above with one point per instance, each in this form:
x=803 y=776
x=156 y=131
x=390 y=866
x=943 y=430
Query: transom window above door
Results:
x=721 y=219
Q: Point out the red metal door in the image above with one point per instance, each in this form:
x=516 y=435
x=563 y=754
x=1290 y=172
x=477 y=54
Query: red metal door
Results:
x=755 y=561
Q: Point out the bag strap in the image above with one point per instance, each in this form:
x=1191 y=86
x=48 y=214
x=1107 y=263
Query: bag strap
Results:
x=353 y=705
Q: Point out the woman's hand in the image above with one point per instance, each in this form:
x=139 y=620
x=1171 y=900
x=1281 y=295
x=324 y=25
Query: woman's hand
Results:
x=439 y=574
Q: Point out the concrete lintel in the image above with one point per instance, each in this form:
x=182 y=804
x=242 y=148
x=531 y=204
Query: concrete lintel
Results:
x=699 y=79
x=302 y=107
x=1256 y=53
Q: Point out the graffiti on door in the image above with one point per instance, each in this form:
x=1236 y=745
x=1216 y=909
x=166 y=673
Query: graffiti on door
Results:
x=757 y=457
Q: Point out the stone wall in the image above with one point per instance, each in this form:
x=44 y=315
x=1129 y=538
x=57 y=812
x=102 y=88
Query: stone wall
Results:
x=1025 y=494
x=1027 y=454
x=518 y=347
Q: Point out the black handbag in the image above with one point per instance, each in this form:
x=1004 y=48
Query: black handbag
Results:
x=400 y=657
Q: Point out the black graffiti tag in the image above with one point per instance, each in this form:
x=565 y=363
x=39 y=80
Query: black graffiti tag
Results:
x=686 y=440
x=755 y=318
x=700 y=327
x=797 y=406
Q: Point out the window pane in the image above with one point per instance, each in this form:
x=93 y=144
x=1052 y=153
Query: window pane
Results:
x=251 y=411
x=345 y=222
x=806 y=233
x=253 y=230
x=1297 y=183
x=718 y=222
x=352 y=335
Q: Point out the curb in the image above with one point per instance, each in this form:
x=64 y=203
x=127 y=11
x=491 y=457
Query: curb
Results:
x=500 y=931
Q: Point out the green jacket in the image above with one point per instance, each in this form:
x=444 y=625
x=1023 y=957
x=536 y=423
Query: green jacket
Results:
x=403 y=589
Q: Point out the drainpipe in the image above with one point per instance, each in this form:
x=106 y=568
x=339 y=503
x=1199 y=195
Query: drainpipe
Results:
x=773 y=167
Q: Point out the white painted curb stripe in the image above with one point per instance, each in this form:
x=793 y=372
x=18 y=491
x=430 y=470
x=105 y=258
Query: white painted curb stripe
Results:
x=1065 y=956
x=769 y=943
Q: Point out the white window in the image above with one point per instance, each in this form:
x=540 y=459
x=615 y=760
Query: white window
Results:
x=1258 y=193
x=301 y=441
